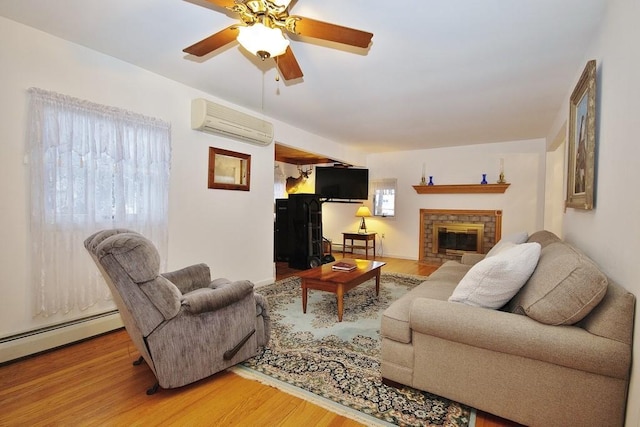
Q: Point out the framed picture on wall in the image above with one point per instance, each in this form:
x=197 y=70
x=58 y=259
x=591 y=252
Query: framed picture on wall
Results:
x=582 y=141
x=229 y=170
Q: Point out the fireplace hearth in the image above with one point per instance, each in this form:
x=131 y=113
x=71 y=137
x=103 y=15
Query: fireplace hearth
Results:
x=448 y=234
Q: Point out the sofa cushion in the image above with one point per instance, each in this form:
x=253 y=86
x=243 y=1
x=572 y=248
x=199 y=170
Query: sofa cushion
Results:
x=439 y=285
x=544 y=237
x=565 y=286
x=492 y=282
x=471 y=258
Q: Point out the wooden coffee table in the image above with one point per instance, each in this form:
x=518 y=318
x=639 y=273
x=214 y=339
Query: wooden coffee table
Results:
x=323 y=278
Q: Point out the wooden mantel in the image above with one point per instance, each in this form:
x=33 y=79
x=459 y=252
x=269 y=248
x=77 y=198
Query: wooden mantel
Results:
x=461 y=188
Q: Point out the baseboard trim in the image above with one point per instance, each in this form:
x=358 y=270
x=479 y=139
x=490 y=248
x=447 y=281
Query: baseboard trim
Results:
x=37 y=341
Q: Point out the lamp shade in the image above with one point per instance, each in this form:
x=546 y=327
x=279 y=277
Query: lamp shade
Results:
x=262 y=41
x=363 y=211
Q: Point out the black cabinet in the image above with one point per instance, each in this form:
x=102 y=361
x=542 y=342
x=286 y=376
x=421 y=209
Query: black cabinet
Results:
x=281 y=231
x=304 y=231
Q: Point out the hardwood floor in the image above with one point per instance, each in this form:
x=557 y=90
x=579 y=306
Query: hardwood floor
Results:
x=93 y=383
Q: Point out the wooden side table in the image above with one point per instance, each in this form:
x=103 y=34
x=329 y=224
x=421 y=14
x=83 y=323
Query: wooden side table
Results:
x=365 y=237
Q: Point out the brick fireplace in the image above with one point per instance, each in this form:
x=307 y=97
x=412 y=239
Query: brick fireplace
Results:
x=482 y=228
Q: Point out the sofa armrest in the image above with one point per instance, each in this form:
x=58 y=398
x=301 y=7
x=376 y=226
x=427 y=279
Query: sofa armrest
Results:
x=206 y=299
x=514 y=334
x=190 y=278
x=471 y=259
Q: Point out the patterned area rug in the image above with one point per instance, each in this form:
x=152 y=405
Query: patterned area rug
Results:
x=338 y=362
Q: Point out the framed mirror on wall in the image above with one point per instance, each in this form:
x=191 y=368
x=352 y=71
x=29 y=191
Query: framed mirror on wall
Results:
x=229 y=170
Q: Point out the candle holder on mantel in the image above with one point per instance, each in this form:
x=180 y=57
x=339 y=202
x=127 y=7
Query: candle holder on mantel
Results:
x=423 y=181
x=501 y=179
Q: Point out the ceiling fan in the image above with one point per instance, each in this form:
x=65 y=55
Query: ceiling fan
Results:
x=261 y=32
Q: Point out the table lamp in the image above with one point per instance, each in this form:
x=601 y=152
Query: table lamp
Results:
x=363 y=212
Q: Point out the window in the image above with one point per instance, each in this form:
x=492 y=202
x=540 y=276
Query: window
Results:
x=92 y=167
x=384 y=197
x=279 y=183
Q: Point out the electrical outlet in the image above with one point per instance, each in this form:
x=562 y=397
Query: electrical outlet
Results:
x=382 y=235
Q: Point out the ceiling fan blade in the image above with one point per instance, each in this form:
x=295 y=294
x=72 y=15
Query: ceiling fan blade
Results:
x=322 y=30
x=211 y=43
x=222 y=3
x=288 y=65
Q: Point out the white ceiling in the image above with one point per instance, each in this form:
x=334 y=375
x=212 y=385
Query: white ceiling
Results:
x=438 y=73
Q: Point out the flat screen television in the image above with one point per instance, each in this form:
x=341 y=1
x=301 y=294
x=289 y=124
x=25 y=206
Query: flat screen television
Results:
x=342 y=183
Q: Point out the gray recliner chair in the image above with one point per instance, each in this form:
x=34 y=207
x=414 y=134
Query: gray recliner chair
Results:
x=185 y=326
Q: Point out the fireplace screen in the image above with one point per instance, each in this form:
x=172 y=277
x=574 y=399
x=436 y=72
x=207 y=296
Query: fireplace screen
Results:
x=457 y=238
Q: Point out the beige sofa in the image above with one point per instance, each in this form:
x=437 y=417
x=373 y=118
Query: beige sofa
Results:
x=570 y=367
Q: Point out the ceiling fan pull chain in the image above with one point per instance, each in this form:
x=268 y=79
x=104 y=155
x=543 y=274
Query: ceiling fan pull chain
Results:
x=262 y=101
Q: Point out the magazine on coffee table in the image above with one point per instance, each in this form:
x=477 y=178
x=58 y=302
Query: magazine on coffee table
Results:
x=343 y=266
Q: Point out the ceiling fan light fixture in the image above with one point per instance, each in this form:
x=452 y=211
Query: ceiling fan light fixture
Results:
x=281 y=3
x=263 y=28
x=262 y=41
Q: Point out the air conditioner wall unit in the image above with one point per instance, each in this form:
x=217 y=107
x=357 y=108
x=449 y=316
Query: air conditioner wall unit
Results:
x=208 y=116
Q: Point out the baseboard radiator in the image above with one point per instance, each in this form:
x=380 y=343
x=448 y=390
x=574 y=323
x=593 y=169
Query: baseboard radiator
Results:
x=37 y=341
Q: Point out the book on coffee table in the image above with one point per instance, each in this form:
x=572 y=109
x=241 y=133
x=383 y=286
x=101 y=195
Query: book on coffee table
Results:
x=343 y=266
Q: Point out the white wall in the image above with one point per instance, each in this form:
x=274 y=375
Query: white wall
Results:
x=610 y=234
x=555 y=188
x=232 y=231
x=522 y=203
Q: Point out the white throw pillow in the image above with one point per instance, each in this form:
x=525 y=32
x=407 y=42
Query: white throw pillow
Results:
x=492 y=282
x=515 y=238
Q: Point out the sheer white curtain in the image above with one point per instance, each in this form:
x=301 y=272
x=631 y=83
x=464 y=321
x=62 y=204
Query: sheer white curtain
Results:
x=92 y=167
